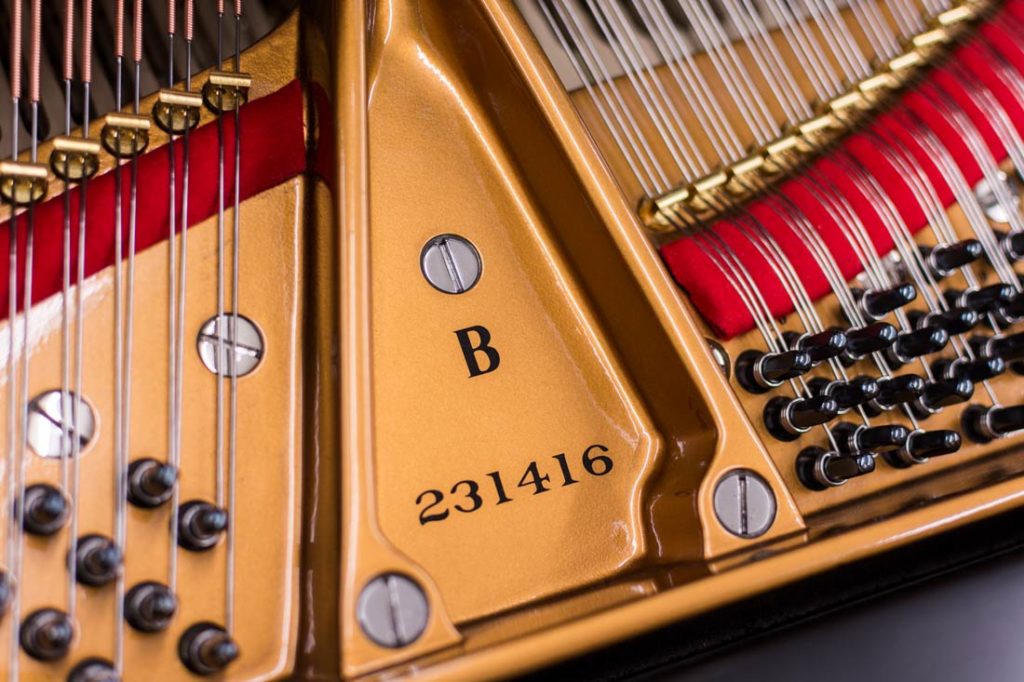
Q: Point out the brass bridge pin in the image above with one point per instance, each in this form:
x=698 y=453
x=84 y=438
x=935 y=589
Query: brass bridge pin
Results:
x=125 y=135
x=226 y=91
x=176 y=111
x=74 y=159
x=21 y=183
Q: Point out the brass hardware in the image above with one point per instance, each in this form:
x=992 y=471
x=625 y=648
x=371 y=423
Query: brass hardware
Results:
x=74 y=159
x=226 y=91
x=807 y=137
x=176 y=111
x=23 y=183
x=125 y=135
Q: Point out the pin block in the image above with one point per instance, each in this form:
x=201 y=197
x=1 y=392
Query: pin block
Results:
x=176 y=111
x=22 y=183
x=125 y=135
x=226 y=91
x=74 y=159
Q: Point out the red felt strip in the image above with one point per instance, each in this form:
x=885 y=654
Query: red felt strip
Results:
x=273 y=150
x=710 y=289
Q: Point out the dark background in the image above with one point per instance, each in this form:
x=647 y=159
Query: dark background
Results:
x=950 y=609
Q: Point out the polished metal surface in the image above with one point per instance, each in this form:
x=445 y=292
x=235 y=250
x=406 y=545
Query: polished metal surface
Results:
x=246 y=345
x=51 y=430
x=393 y=610
x=744 y=504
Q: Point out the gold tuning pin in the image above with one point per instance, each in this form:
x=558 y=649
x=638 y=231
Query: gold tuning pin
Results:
x=23 y=183
x=74 y=159
x=176 y=111
x=125 y=135
x=226 y=90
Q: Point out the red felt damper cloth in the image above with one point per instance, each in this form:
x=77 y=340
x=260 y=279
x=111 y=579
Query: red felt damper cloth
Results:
x=985 y=61
x=273 y=150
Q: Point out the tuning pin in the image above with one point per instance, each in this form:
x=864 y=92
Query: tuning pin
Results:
x=852 y=438
x=870 y=339
x=46 y=634
x=97 y=560
x=975 y=371
x=787 y=418
x=946 y=258
x=1013 y=244
x=953 y=321
x=46 y=509
x=758 y=372
x=848 y=394
x=94 y=670
x=206 y=649
x=923 y=445
x=919 y=342
x=897 y=390
x=149 y=607
x=878 y=304
x=1009 y=347
x=984 y=424
x=819 y=469
x=984 y=300
x=824 y=345
x=150 y=483
x=945 y=392
x=200 y=525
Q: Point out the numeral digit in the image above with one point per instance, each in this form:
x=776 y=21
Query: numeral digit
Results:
x=426 y=518
x=567 y=478
x=597 y=465
x=473 y=495
x=499 y=487
x=535 y=479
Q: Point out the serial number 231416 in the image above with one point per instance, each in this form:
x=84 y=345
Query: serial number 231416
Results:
x=468 y=496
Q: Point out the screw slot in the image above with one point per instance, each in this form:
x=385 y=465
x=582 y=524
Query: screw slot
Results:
x=247 y=346
x=744 y=504
x=451 y=264
x=392 y=610
x=47 y=423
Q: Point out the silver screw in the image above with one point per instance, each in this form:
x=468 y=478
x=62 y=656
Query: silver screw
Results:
x=392 y=610
x=248 y=346
x=720 y=356
x=451 y=264
x=47 y=423
x=744 y=504
x=990 y=203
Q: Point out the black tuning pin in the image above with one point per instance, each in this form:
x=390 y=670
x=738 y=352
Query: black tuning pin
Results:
x=150 y=483
x=924 y=341
x=819 y=469
x=821 y=346
x=46 y=509
x=97 y=560
x=787 y=418
x=953 y=321
x=46 y=634
x=200 y=525
x=759 y=372
x=984 y=300
x=870 y=339
x=149 y=607
x=923 y=445
x=946 y=258
x=975 y=371
x=894 y=391
x=848 y=394
x=878 y=304
x=1009 y=347
x=94 y=670
x=945 y=392
x=1013 y=245
x=984 y=424
x=852 y=438
x=206 y=649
